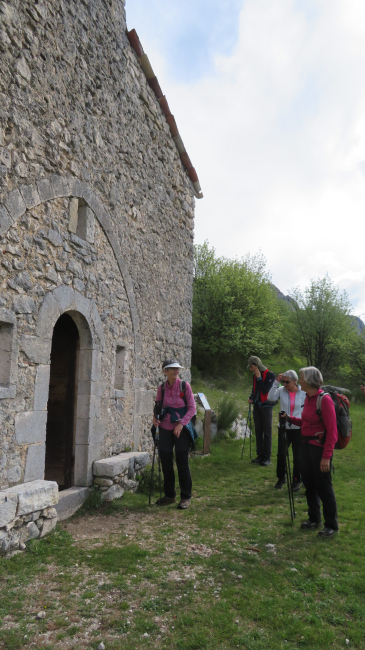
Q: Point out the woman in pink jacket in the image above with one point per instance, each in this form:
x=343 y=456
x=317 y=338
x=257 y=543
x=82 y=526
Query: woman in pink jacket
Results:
x=178 y=409
x=319 y=436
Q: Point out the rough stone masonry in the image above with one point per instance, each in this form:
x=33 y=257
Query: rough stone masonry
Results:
x=96 y=233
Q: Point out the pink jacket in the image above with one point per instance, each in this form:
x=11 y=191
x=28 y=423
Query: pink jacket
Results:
x=172 y=398
x=311 y=423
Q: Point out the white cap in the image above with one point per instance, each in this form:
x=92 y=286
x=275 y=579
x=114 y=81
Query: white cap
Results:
x=171 y=363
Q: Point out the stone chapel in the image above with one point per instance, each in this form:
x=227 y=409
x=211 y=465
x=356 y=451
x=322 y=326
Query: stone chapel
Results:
x=96 y=230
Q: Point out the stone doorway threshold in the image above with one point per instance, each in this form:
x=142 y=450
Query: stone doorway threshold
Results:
x=70 y=500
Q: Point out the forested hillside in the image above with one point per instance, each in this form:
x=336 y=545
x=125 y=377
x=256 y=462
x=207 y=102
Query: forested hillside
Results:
x=237 y=311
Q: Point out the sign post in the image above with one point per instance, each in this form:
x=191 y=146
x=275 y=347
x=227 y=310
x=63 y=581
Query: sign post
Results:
x=207 y=421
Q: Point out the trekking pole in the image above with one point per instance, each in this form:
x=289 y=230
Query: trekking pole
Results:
x=245 y=434
x=159 y=460
x=250 y=427
x=153 y=466
x=287 y=467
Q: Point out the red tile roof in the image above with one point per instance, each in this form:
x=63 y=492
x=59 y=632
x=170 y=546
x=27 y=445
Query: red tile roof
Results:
x=153 y=83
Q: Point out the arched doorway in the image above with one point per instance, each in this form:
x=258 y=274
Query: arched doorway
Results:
x=60 y=432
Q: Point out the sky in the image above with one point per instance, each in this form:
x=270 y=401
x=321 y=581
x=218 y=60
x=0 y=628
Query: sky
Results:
x=269 y=98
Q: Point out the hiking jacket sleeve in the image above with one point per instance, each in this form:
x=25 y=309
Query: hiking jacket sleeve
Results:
x=297 y=421
x=264 y=385
x=274 y=392
x=190 y=402
x=330 y=423
x=252 y=396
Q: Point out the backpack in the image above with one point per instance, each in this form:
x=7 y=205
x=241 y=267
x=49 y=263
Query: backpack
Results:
x=344 y=424
x=159 y=411
x=182 y=391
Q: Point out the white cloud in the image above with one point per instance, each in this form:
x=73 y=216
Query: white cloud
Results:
x=277 y=135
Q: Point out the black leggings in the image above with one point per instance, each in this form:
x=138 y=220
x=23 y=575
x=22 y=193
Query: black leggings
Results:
x=318 y=486
x=182 y=445
x=262 y=417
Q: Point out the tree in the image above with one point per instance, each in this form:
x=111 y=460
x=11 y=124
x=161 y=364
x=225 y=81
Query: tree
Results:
x=235 y=310
x=357 y=357
x=322 y=324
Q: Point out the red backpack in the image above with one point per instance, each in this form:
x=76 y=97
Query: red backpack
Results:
x=344 y=424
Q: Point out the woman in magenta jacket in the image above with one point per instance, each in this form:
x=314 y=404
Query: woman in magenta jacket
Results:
x=319 y=436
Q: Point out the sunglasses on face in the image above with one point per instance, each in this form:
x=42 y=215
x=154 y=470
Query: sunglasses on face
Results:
x=286 y=382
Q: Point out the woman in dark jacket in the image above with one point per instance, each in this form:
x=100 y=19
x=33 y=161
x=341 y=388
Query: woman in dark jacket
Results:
x=263 y=380
x=319 y=436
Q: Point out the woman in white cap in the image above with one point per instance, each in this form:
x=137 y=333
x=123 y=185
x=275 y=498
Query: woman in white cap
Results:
x=177 y=400
x=292 y=399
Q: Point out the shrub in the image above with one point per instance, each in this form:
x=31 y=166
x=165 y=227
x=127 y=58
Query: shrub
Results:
x=144 y=479
x=91 y=503
x=228 y=411
x=222 y=384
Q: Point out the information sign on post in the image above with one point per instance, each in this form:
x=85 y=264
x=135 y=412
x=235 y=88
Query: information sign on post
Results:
x=207 y=421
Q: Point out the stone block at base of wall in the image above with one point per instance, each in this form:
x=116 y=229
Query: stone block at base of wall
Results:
x=113 y=476
x=70 y=501
x=26 y=512
x=110 y=467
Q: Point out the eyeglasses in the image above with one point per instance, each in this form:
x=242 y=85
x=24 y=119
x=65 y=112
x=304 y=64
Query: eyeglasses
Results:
x=286 y=382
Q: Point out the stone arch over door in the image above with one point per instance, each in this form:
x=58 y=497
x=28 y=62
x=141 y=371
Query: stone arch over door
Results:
x=89 y=428
x=27 y=197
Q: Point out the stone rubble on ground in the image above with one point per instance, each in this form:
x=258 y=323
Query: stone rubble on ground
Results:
x=241 y=429
x=239 y=426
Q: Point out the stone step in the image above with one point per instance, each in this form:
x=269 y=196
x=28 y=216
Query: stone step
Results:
x=132 y=461
x=70 y=500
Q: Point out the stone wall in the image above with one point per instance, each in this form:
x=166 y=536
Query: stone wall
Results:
x=31 y=510
x=26 y=512
x=113 y=476
x=83 y=139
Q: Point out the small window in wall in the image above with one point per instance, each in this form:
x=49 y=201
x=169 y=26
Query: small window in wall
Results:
x=120 y=355
x=6 y=344
x=81 y=220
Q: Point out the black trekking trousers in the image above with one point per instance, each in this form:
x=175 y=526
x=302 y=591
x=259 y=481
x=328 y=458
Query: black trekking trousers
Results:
x=262 y=416
x=318 y=486
x=294 y=438
x=182 y=445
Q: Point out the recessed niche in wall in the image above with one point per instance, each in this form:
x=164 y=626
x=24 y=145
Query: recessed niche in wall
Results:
x=6 y=345
x=81 y=220
x=8 y=354
x=119 y=382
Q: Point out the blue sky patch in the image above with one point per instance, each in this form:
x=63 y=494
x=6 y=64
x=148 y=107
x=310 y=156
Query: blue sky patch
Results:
x=188 y=34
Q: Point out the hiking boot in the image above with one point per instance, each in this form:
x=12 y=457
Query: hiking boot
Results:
x=165 y=501
x=310 y=525
x=296 y=485
x=265 y=463
x=279 y=484
x=257 y=460
x=327 y=532
x=184 y=503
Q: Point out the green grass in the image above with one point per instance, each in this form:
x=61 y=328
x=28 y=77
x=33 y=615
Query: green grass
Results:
x=188 y=579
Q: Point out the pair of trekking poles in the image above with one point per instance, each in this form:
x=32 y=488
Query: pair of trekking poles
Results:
x=282 y=432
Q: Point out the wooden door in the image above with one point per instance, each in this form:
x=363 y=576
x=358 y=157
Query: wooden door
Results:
x=60 y=435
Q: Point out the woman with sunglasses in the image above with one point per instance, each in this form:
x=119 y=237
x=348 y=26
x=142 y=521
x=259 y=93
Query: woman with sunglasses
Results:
x=291 y=401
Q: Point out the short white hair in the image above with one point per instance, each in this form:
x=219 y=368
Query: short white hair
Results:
x=291 y=374
x=312 y=376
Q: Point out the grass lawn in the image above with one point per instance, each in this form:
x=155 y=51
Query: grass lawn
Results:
x=131 y=576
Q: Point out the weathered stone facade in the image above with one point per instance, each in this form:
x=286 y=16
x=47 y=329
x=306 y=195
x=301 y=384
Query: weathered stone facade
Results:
x=96 y=222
